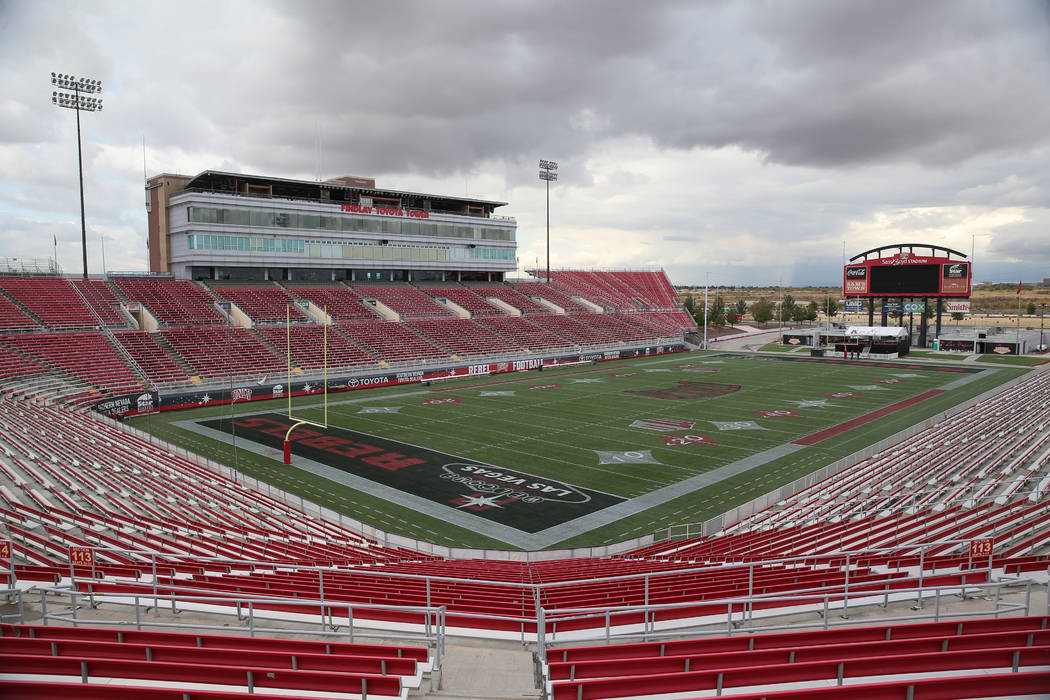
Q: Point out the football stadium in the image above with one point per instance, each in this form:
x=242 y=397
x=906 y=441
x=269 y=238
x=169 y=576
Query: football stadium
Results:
x=326 y=447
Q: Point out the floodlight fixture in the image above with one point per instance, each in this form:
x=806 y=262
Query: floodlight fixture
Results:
x=549 y=174
x=80 y=100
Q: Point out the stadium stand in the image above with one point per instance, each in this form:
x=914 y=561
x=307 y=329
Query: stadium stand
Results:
x=525 y=333
x=404 y=299
x=463 y=297
x=570 y=328
x=542 y=290
x=617 y=327
x=267 y=303
x=864 y=659
x=72 y=479
x=86 y=355
x=591 y=286
x=308 y=347
x=101 y=298
x=198 y=663
x=51 y=299
x=510 y=296
x=157 y=364
x=13 y=318
x=172 y=302
x=391 y=341
x=219 y=351
x=463 y=336
x=617 y=289
x=340 y=301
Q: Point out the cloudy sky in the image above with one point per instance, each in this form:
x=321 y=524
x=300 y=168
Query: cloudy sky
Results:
x=741 y=142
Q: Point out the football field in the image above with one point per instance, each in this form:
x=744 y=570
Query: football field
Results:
x=584 y=455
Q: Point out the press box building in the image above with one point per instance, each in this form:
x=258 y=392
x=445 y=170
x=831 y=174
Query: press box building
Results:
x=230 y=226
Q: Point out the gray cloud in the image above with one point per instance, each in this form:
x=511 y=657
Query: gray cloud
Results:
x=743 y=128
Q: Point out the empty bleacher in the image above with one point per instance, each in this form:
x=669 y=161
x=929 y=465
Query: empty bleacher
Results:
x=172 y=302
x=525 y=333
x=100 y=296
x=13 y=318
x=944 y=659
x=391 y=341
x=463 y=297
x=463 y=336
x=404 y=299
x=158 y=365
x=51 y=299
x=86 y=355
x=617 y=327
x=309 y=347
x=510 y=296
x=95 y=662
x=592 y=286
x=551 y=294
x=338 y=300
x=219 y=351
x=572 y=329
x=264 y=303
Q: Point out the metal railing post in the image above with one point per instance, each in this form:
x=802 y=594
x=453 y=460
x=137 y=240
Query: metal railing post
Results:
x=845 y=595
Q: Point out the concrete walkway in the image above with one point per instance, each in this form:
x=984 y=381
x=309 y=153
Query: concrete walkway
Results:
x=486 y=669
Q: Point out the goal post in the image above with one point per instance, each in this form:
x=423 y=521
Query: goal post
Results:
x=298 y=421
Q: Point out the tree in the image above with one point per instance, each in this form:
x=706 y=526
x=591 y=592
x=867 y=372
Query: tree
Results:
x=787 y=308
x=799 y=314
x=957 y=316
x=716 y=315
x=741 y=308
x=689 y=303
x=1031 y=308
x=762 y=311
x=829 y=307
x=732 y=317
x=811 y=311
x=698 y=315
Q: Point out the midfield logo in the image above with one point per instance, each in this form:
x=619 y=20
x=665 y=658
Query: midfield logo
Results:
x=689 y=390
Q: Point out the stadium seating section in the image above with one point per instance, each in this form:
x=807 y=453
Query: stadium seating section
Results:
x=171 y=302
x=263 y=303
x=195 y=341
x=165 y=524
x=339 y=301
x=404 y=299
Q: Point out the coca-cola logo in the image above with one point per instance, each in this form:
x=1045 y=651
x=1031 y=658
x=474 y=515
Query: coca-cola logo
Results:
x=856 y=273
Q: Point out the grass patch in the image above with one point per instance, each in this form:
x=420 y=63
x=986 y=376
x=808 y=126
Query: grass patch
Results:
x=1018 y=360
x=587 y=426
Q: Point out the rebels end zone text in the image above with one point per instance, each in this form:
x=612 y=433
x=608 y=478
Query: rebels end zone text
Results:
x=528 y=502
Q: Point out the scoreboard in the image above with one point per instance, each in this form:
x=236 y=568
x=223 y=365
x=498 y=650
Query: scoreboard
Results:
x=907 y=275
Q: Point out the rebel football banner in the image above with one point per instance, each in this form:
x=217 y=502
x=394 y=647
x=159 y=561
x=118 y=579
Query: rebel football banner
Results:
x=518 y=499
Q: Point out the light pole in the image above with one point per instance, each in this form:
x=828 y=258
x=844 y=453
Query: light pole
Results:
x=707 y=283
x=78 y=102
x=549 y=174
x=1042 y=309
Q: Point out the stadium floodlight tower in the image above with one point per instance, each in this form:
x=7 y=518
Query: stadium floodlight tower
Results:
x=549 y=174
x=80 y=100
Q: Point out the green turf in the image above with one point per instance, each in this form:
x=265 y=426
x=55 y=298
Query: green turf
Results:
x=556 y=432
x=1020 y=360
x=777 y=347
x=932 y=355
